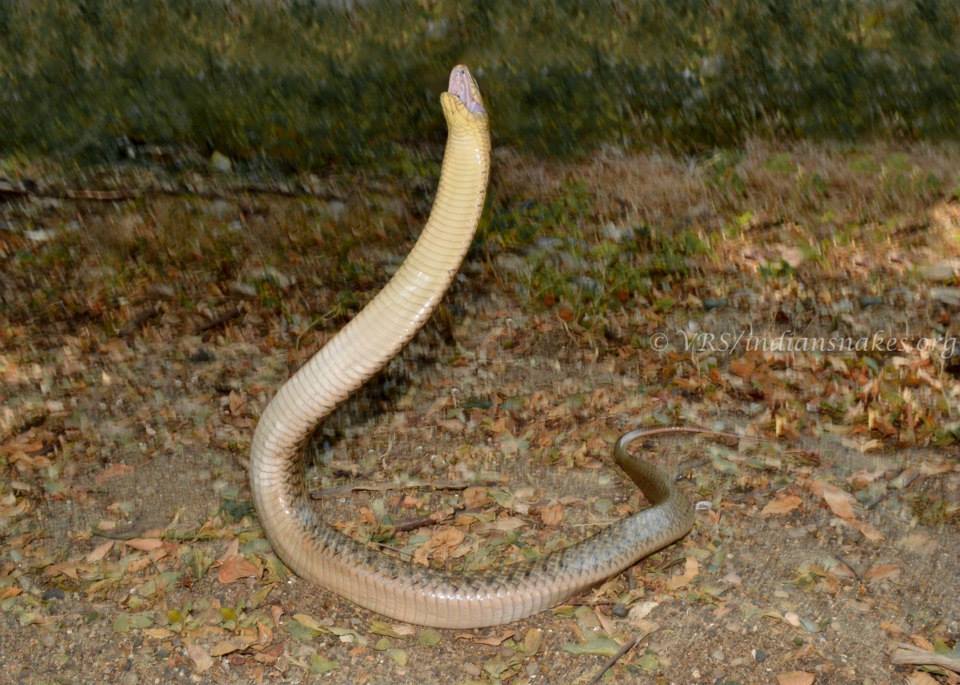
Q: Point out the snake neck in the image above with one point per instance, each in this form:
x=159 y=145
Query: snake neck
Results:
x=367 y=343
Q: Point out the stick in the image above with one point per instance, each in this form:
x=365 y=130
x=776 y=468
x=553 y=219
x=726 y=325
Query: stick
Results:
x=121 y=194
x=386 y=487
x=908 y=654
x=627 y=646
x=226 y=317
x=413 y=524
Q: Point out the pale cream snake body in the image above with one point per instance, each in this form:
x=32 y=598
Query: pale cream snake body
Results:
x=389 y=586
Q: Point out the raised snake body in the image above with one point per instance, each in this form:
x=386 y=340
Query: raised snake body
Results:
x=371 y=579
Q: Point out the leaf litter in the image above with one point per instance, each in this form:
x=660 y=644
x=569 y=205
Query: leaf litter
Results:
x=833 y=522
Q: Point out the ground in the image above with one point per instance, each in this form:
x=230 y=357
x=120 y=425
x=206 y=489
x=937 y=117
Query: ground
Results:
x=143 y=331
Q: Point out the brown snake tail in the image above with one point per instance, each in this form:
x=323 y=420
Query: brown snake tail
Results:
x=373 y=580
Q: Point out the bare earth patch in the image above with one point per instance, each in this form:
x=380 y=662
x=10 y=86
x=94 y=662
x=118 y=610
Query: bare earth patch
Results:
x=140 y=339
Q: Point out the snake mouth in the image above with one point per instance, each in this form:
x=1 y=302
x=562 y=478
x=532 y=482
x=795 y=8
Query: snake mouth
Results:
x=464 y=88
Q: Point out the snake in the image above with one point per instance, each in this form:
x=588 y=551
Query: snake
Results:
x=393 y=586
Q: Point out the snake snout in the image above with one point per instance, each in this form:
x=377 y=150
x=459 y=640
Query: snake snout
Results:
x=465 y=89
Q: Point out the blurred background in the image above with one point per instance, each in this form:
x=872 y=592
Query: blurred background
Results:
x=308 y=84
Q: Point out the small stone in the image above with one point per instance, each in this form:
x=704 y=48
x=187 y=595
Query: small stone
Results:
x=335 y=209
x=53 y=593
x=941 y=272
x=759 y=656
x=220 y=162
x=202 y=355
x=947 y=296
x=714 y=303
x=620 y=610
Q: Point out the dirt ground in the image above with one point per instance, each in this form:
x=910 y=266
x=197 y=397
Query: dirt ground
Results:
x=825 y=540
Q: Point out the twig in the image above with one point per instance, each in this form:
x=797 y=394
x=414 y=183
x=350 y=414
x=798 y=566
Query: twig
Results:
x=413 y=484
x=144 y=315
x=122 y=194
x=420 y=522
x=626 y=647
x=853 y=569
x=676 y=561
x=908 y=654
x=226 y=317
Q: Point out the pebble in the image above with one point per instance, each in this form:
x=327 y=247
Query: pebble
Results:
x=53 y=593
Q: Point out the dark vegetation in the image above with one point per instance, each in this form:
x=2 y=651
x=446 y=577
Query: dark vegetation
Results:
x=309 y=84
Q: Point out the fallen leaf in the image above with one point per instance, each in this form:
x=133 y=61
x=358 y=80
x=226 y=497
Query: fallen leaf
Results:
x=795 y=678
x=508 y=524
x=691 y=569
x=532 y=641
x=320 y=664
x=921 y=678
x=493 y=640
x=391 y=629
x=882 y=571
x=236 y=567
x=552 y=514
x=158 y=633
x=439 y=545
x=202 y=661
x=599 y=645
x=113 y=471
x=99 y=552
x=781 y=505
x=229 y=646
x=639 y=612
x=867 y=530
x=475 y=497
x=839 y=501
x=11 y=591
x=399 y=656
x=308 y=621
x=144 y=544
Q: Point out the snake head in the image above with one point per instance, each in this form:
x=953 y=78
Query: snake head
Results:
x=462 y=103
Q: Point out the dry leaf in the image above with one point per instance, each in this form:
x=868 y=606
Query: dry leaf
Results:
x=439 y=545
x=795 y=678
x=308 y=621
x=113 y=471
x=691 y=569
x=493 y=640
x=202 y=661
x=882 y=571
x=158 y=633
x=99 y=552
x=639 y=612
x=867 y=530
x=839 y=501
x=228 y=646
x=552 y=514
x=781 y=505
x=508 y=524
x=11 y=591
x=921 y=678
x=236 y=567
x=144 y=544
x=475 y=497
